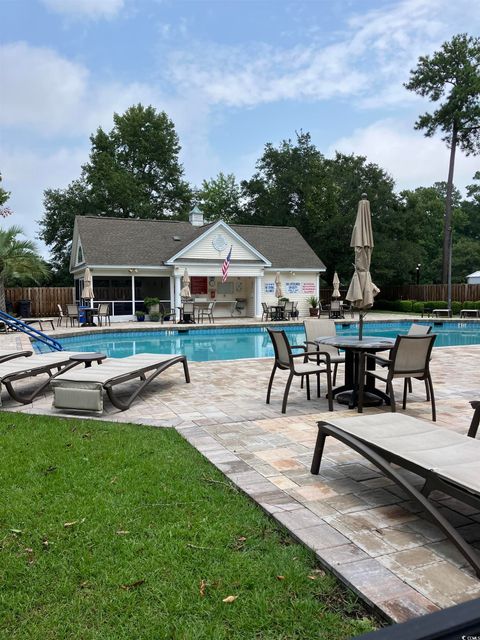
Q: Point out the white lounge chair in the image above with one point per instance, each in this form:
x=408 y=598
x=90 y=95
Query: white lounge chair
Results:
x=446 y=460
x=30 y=367
x=82 y=390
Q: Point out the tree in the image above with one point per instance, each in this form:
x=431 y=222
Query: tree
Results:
x=61 y=207
x=133 y=171
x=219 y=198
x=4 y=196
x=19 y=260
x=451 y=74
x=288 y=187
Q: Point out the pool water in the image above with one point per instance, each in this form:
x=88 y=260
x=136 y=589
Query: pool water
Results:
x=246 y=342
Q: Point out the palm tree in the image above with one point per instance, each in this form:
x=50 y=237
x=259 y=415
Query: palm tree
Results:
x=19 y=260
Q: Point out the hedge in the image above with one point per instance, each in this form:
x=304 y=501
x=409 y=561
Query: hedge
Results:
x=409 y=306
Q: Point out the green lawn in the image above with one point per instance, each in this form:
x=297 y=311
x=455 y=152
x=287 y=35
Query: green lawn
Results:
x=118 y=531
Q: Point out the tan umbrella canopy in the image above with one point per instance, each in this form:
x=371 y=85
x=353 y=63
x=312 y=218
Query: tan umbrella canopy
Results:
x=87 y=291
x=362 y=290
x=185 y=291
x=336 y=286
x=278 y=286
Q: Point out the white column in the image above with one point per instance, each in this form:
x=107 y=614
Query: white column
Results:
x=177 y=295
x=133 y=294
x=172 y=292
x=258 y=296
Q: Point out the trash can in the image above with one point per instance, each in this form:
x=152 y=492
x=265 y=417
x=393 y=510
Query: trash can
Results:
x=82 y=316
x=25 y=308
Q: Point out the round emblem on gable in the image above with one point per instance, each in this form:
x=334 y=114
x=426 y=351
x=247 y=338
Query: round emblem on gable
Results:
x=219 y=243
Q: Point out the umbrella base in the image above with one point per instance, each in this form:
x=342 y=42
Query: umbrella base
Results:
x=350 y=398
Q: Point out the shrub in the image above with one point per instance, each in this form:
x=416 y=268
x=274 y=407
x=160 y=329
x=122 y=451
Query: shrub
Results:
x=437 y=304
x=150 y=302
x=154 y=316
x=456 y=306
x=417 y=307
x=405 y=305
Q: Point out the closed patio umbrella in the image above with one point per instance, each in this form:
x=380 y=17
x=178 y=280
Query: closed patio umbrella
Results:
x=87 y=291
x=278 y=286
x=185 y=291
x=362 y=290
x=336 y=286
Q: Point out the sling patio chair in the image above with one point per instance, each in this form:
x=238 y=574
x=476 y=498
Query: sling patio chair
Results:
x=298 y=365
x=103 y=313
x=82 y=390
x=30 y=367
x=316 y=328
x=448 y=461
x=409 y=358
x=73 y=314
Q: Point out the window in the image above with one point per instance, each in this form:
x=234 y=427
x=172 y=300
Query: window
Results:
x=79 y=254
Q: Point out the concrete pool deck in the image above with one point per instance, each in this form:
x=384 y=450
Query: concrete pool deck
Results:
x=357 y=522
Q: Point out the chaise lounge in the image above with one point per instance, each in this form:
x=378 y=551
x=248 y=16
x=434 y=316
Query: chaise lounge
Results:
x=446 y=460
x=20 y=368
x=8 y=354
x=82 y=390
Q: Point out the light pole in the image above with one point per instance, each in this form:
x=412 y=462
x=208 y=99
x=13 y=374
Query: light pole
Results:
x=417 y=269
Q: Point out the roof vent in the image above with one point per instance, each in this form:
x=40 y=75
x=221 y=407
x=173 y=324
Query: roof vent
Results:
x=195 y=217
x=176 y=238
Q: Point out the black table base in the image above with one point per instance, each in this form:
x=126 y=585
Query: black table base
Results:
x=348 y=393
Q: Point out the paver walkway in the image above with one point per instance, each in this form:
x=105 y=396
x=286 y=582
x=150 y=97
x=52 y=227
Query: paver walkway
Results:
x=358 y=522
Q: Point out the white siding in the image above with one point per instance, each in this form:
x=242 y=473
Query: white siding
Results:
x=304 y=281
x=204 y=249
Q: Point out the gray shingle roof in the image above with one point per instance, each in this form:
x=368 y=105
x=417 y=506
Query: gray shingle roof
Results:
x=123 y=241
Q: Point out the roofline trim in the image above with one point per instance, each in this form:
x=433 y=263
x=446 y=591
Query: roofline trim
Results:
x=219 y=223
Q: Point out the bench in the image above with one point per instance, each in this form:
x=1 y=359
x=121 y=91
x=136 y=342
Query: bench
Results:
x=470 y=313
x=446 y=460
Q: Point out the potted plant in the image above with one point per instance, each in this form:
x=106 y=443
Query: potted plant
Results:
x=154 y=316
x=313 y=302
x=152 y=305
x=140 y=315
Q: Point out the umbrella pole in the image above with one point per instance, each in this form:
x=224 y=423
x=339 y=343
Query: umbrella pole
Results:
x=360 y=326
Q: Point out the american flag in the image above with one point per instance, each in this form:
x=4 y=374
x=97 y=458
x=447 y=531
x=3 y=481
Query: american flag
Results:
x=226 y=264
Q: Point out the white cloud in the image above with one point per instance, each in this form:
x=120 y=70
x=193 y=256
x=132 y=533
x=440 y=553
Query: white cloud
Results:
x=412 y=159
x=369 y=60
x=92 y=9
x=27 y=173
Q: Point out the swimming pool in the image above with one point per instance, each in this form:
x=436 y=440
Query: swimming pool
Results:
x=246 y=342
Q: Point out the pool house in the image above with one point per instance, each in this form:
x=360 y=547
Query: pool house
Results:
x=132 y=259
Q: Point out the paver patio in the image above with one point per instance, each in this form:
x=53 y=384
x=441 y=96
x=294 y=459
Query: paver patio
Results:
x=358 y=522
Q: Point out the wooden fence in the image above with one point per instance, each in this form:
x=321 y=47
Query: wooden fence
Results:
x=420 y=292
x=44 y=300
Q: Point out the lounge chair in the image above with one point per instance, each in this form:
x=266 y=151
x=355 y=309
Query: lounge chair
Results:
x=82 y=390
x=21 y=368
x=8 y=354
x=446 y=460
x=287 y=361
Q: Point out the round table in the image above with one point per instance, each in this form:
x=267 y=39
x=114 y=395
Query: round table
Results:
x=354 y=350
x=88 y=358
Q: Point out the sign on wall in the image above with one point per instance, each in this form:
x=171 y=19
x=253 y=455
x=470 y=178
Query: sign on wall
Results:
x=309 y=287
x=269 y=287
x=292 y=287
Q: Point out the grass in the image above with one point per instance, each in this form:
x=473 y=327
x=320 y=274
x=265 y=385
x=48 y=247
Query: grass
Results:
x=119 y=531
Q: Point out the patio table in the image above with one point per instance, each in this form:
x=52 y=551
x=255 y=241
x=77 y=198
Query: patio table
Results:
x=354 y=350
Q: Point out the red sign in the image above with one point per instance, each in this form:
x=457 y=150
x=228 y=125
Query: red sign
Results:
x=198 y=285
x=309 y=287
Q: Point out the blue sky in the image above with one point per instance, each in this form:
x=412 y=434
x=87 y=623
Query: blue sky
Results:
x=232 y=75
